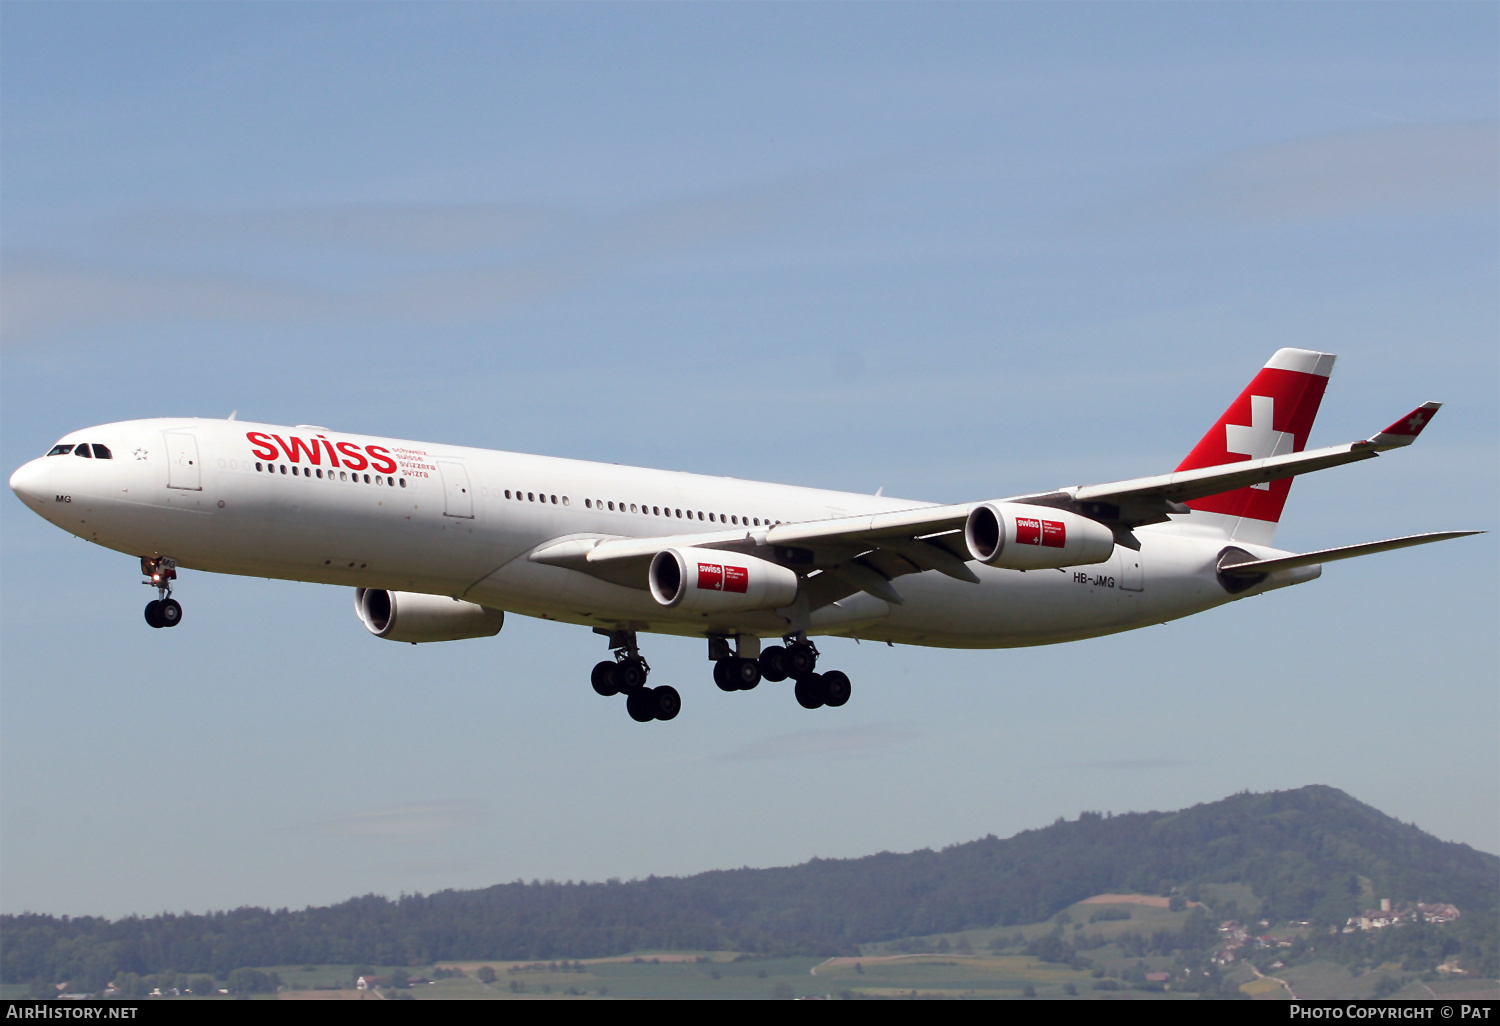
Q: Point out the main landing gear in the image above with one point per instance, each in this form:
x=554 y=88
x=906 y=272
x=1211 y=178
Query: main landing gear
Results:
x=627 y=674
x=160 y=572
x=798 y=659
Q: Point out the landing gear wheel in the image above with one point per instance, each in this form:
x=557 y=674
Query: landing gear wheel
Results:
x=726 y=674
x=836 y=688
x=809 y=692
x=773 y=664
x=641 y=705
x=746 y=674
x=170 y=613
x=606 y=678
x=667 y=701
x=632 y=673
x=800 y=661
x=153 y=613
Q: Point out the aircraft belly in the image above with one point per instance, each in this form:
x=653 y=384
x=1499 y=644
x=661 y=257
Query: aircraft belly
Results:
x=1010 y=609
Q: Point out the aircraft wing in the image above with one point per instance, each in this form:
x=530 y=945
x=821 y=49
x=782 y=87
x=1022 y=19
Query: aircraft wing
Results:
x=843 y=555
x=849 y=554
x=1124 y=505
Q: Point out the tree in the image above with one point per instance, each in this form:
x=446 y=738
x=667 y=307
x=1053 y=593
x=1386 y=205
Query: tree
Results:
x=486 y=975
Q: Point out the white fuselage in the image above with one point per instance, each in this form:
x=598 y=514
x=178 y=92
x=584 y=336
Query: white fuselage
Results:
x=448 y=520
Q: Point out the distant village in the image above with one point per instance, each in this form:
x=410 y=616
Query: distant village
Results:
x=1235 y=937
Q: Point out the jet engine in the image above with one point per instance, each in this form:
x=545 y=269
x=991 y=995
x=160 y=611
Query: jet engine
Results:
x=708 y=581
x=1017 y=536
x=410 y=616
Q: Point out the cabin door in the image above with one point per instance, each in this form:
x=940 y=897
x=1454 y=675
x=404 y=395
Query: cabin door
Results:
x=183 y=470
x=458 y=497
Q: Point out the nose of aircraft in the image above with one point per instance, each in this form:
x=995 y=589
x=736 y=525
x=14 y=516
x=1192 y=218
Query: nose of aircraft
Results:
x=32 y=482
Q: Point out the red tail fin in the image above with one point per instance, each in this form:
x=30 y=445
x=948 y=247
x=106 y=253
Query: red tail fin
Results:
x=1272 y=416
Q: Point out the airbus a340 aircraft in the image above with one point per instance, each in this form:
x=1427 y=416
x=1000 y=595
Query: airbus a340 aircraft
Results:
x=439 y=542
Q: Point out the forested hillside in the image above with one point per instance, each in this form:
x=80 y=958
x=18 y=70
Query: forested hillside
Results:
x=1303 y=852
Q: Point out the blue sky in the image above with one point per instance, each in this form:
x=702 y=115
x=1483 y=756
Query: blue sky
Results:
x=954 y=251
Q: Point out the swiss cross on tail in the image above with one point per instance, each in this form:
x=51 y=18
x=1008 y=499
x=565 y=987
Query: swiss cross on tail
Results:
x=1272 y=417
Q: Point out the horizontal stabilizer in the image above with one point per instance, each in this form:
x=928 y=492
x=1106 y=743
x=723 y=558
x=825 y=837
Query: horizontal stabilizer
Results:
x=1257 y=567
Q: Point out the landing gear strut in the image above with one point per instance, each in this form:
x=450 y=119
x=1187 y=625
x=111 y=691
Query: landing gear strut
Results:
x=627 y=674
x=160 y=572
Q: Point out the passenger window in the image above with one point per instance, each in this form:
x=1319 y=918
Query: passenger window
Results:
x=403 y=482
x=257 y=468
x=82 y=449
x=565 y=500
x=700 y=514
x=531 y=496
x=554 y=500
x=342 y=477
x=60 y=450
x=102 y=452
x=367 y=479
x=632 y=507
x=710 y=518
x=656 y=510
x=283 y=468
x=679 y=514
x=507 y=491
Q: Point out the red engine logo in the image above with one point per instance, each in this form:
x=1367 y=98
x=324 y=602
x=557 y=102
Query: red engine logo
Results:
x=713 y=577
x=1051 y=533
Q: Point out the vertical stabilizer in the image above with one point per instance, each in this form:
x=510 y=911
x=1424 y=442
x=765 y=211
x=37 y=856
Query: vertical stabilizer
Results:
x=1272 y=417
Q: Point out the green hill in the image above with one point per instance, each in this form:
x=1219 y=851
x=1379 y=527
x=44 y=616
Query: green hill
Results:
x=1313 y=853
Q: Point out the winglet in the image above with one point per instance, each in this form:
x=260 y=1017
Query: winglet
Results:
x=1405 y=430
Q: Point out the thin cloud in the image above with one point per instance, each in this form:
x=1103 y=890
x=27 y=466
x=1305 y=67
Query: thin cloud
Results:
x=1393 y=171
x=1121 y=765
x=401 y=822
x=420 y=262
x=869 y=737
x=436 y=867
x=1398 y=170
x=401 y=229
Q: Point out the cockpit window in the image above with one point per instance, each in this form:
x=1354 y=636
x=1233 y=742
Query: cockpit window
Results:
x=101 y=452
x=82 y=449
x=60 y=450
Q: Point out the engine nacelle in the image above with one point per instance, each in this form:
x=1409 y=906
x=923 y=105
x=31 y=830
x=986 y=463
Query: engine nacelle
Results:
x=1017 y=536
x=709 y=581
x=410 y=616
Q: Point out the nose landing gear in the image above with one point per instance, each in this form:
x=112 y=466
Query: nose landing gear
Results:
x=160 y=572
x=627 y=674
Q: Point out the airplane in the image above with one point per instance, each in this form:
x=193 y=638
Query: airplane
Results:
x=439 y=542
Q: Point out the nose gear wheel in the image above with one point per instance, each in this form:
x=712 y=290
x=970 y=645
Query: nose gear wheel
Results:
x=160 y=572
